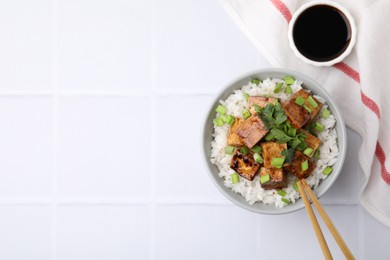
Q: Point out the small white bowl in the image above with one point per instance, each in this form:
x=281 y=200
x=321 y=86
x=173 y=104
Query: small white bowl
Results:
x=341 y=56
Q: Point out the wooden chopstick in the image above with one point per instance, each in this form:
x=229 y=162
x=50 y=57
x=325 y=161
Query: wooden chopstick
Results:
x=340 y=241
x=314 y=222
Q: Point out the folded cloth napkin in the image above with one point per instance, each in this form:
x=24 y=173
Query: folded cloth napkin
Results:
x=359 y=84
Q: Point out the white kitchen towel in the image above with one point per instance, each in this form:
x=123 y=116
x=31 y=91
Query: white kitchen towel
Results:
x=360 y=84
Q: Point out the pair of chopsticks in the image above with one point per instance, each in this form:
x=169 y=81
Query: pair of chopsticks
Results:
x=303 y=188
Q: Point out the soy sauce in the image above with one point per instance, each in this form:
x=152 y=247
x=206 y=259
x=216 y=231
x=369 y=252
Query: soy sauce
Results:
x=321 y=33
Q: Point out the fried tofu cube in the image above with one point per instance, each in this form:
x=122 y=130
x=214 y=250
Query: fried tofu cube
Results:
x=260 y=101
x=233 y=138
x=251 y=131
x=271 y=150
x=311 y=141
x=295 y=168
x=244 y=165
x=278 y=179
x=299 y=115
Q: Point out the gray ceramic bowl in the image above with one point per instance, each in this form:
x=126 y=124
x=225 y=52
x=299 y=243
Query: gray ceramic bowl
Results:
x=208 y=130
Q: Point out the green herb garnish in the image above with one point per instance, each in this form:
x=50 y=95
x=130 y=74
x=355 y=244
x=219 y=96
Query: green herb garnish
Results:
x=288 y=154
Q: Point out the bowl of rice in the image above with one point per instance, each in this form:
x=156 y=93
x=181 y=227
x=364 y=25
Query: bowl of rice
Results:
x=253 y=189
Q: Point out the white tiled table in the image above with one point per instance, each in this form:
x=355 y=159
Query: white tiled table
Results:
x=101 y=104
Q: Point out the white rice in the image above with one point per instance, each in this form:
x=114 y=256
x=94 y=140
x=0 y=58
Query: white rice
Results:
x=251 y=190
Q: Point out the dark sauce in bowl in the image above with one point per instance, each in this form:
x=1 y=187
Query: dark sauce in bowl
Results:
x=321 y=33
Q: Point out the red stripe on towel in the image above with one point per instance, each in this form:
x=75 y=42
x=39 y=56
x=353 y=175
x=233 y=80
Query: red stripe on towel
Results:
x=368 y=102
x=353 y=74
x=348 y=70
x=283 y=9
x=382 y=160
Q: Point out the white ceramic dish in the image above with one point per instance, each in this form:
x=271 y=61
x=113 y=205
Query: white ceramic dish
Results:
x=207 y=132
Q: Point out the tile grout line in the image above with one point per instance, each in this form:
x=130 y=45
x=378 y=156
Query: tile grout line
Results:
x=135 y=201
x=111 y=93
x=257 y=239
x=152 y=146
x=152 y=203
x=26 y=93
x=55 y=82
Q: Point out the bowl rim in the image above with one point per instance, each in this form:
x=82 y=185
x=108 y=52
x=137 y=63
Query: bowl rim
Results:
x=298 y=205
x=339 y=58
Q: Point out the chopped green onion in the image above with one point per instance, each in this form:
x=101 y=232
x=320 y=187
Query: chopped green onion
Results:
x=319 y=127
x=229 y=149
x=288 y=90
x=317 y=154
x=257 y=158
x=325 y=113
x=285 y=200
x=246 y=114
x=255 y=81
x=265 y=179
x=224 y=118
x=235 y=178
x=278 y=87
x=220 y=109
x=308 y=151
x=312 y=102
x=299 y=101
x=305 y=165
x=277 y=162
x=244 y=150
x=282 y=193
x=256 y=149
x=230 y=120
x=292 y=132
x=288 y=124
x=295 y=186
x=328 y=170
x=218 y=122
x=269 y=136
x=246 y=96
x=289 y=80
x=307 y=108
